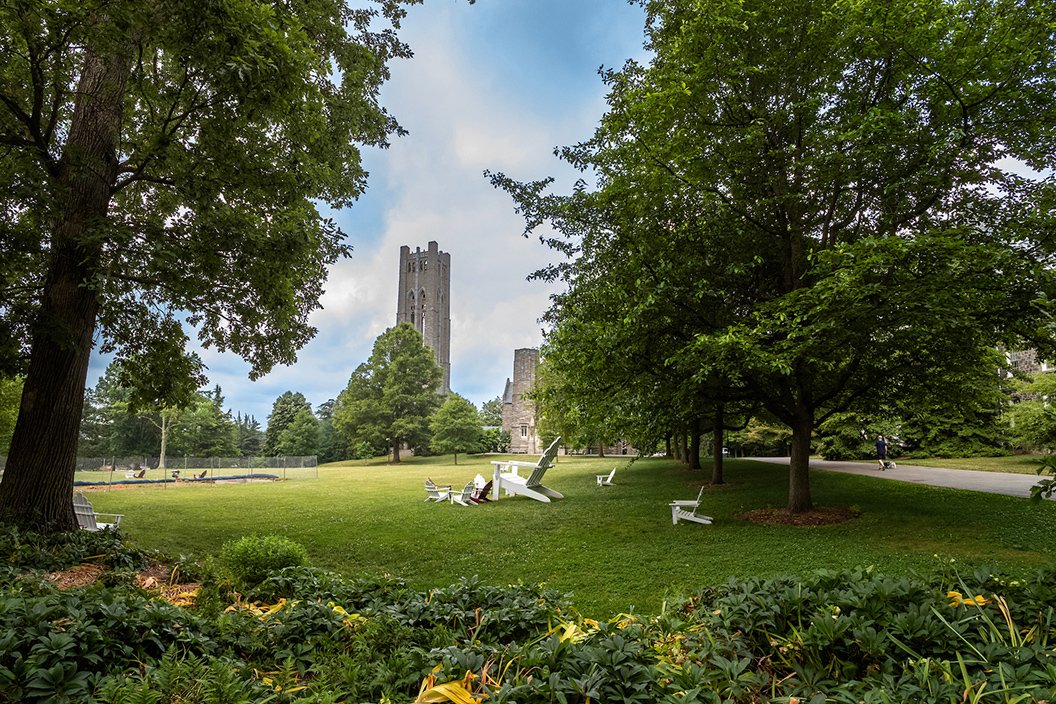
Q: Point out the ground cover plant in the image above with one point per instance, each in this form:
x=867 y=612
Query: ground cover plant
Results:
x=306 y=634
x=613 y=548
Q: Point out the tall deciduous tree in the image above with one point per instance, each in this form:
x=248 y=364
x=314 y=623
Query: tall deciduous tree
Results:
x=390 y=397
x=301 y=437
x=331 y=447
x=815 y=198
x=283 y=412
x=164 y=156
x=491 y=412
x=456 y=427
x=204 y=428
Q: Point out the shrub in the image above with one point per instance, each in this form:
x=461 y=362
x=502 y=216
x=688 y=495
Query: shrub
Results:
x=249 y=560
x=364 y=451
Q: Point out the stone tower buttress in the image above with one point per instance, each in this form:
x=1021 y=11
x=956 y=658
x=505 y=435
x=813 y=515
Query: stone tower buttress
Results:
x=425 y=303
x=518 y=412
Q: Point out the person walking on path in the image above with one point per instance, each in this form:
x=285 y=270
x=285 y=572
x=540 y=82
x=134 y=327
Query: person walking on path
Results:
x=881 y=452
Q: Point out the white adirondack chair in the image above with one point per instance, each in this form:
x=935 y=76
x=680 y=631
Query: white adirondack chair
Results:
x=686 y=510
x=508 y=479
x=87 y=518
x=606 y=479
x=464 y=496
x=436 y=493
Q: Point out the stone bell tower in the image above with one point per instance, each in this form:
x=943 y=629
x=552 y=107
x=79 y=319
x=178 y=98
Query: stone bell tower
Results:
x=425 y=285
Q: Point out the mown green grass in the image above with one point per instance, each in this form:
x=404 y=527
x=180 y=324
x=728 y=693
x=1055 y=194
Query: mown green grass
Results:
x=613 y=547
x=1015 y=464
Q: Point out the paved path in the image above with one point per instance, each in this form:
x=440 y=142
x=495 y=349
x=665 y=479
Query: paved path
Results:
x=970 y=479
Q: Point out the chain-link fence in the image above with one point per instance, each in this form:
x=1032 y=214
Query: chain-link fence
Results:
x=141 y=468
x=186 y=462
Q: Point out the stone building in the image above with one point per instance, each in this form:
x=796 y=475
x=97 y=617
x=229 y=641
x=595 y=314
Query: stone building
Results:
x=1025 y=361
x=424 y=301
x=518 y=413
x=519 y=417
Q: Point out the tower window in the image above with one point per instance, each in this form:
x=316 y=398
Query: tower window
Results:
x=524 y=431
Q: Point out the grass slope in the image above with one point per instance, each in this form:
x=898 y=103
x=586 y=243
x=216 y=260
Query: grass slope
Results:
x=613 y=547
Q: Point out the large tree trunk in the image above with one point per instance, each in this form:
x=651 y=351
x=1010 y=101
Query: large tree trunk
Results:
x=396 y=451
x=718 y=424
x=694 y=444
x=799 y=500
x=38 y=481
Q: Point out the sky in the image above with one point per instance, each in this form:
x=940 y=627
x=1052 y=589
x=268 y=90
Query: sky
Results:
x=496 y=85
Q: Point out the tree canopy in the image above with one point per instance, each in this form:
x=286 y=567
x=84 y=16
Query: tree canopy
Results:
x=301 y=437
x=161 y=161
x=455 y=427
x=390 y=397
x=491 y=412
x=806 y=206
x=284 y=411
x=1031 y=421
x=114 y=426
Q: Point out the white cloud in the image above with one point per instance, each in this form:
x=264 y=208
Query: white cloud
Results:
x=465 y=113
x=436 y=191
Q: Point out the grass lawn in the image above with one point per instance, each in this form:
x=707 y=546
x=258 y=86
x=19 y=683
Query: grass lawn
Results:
x=1015 y=464
x=613 y=547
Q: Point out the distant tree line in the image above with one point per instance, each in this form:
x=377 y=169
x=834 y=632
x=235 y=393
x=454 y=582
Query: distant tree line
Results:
x=998 y=414
x=390 y=403
x=115 y=426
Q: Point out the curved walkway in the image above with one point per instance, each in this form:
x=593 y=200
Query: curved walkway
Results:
x=970 y=479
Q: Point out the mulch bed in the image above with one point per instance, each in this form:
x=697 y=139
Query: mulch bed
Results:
x=820 y=516
x=158 y=579
x=78 y=576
